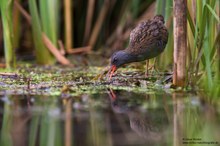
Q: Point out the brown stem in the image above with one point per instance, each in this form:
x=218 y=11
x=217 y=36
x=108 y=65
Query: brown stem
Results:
x=61 y=47
x=80 y=50
x=23 y=11
x=89 y=16
x=99 y=23
x=60 y=58
x=68 y=24
x=180 y=42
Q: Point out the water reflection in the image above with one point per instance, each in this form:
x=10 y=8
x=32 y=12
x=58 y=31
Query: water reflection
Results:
x=143 y=123
x=112 y=118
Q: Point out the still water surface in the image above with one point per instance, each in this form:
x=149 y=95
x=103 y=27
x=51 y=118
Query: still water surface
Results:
x=110 y=118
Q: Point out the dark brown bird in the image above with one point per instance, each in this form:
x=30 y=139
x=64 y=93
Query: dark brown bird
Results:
x=147 y=41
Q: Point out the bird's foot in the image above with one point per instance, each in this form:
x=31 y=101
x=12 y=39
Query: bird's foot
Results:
x=150 y=71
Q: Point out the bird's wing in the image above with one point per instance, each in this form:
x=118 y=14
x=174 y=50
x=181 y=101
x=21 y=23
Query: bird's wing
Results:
x=148 y=34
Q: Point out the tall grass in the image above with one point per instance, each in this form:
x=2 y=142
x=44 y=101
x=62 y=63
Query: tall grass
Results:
x=42 y=54
x=204 y=52
x=166 y=58
x=8 y=35
x=49 y=14
x=202 y=35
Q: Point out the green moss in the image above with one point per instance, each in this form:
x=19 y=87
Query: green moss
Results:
x=49 y=80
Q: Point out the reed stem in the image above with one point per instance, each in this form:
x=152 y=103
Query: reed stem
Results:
x=179 y=29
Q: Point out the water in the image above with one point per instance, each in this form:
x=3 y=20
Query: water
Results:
x=109 y=118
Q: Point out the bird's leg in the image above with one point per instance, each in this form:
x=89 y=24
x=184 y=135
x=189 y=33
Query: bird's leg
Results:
x=112 y=95
x=154 y=66
x=146 y=72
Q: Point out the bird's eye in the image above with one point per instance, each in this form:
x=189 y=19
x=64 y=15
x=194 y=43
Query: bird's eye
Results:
x=115 y=59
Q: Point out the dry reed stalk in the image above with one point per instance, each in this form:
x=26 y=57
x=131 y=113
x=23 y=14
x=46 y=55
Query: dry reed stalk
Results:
x=80 y=50
x=180 y=42
x=116 y=35
x=61 y=47
x=68 y=24
x=60 y=58
x=89 y=17
x=59 y=55
x=23 y=11
x=99 y=23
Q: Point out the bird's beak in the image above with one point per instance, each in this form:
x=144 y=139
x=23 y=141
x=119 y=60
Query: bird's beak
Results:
x=111 y=71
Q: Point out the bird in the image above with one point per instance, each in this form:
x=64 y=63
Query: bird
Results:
x=147 y=40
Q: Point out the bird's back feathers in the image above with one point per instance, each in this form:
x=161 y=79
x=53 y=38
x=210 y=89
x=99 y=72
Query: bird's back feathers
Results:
x=148 y=36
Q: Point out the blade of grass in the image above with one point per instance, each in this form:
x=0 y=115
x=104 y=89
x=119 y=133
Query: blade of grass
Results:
x=217 y=40
x=162 y=60
x=209 y=41
x=191 y=24
x=190 y=37
x=49 y=13
x=16 y=26
x=8 y=35
x=208 y=64
x=42 y=54
x=135 y=5
x=160 y=7
x=213 y=12
x=200 y=34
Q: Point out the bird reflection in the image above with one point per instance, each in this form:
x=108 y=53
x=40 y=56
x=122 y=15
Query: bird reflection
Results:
x=143 y=125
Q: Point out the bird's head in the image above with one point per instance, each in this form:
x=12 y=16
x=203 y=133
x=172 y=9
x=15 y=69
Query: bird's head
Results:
x=117 y=60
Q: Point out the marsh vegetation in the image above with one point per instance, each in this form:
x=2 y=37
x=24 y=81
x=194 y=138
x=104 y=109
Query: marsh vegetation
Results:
x=53 y=90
